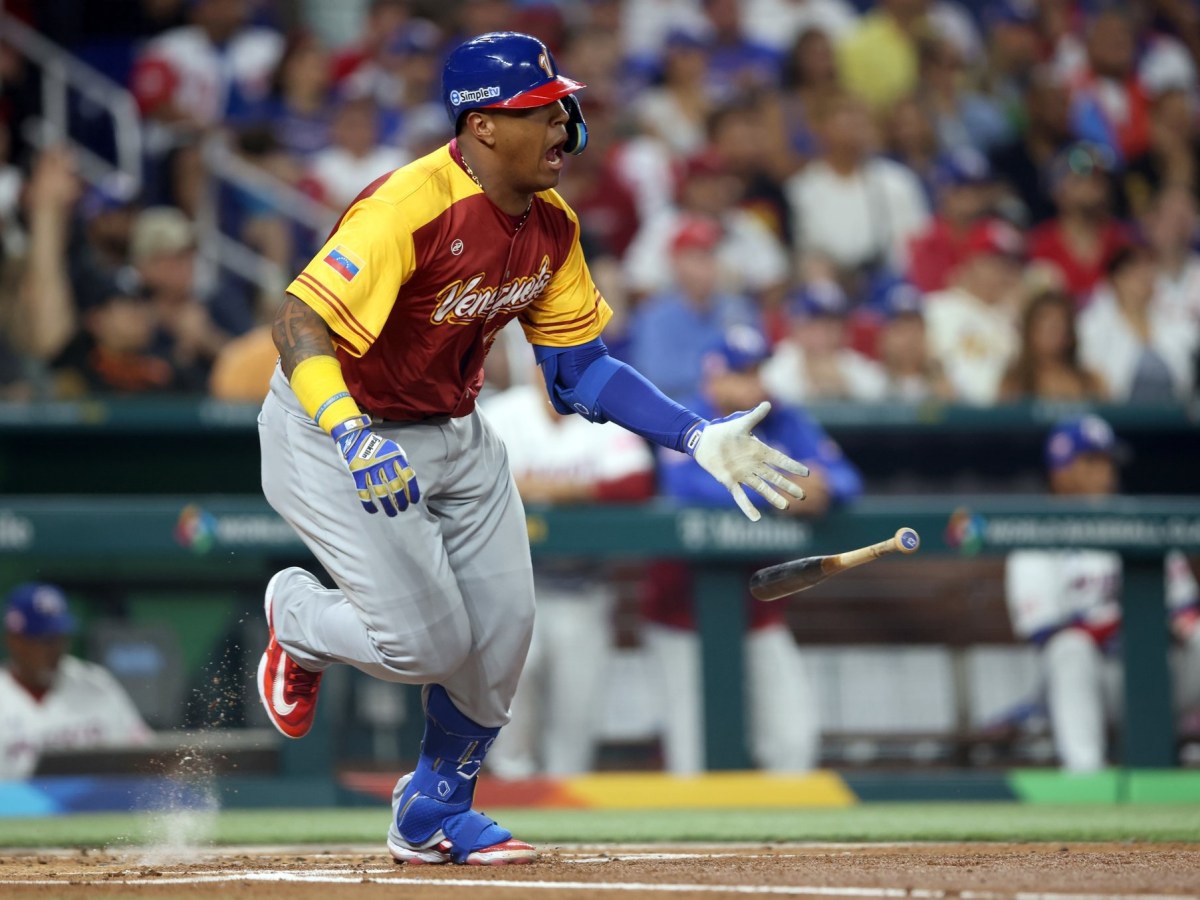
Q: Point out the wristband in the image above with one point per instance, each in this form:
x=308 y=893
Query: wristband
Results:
x=321 y=389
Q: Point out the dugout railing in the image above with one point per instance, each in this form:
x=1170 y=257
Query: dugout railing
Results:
x=210 y=538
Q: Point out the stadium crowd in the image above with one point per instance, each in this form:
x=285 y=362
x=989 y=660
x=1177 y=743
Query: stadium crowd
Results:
x=910 y=199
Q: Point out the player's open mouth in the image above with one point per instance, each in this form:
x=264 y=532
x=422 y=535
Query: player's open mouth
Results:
x=554 y=157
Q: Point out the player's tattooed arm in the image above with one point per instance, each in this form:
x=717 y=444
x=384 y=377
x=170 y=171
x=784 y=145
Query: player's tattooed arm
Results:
x=299 y=333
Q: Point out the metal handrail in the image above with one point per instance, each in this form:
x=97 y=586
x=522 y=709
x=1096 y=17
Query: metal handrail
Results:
x=62 y=72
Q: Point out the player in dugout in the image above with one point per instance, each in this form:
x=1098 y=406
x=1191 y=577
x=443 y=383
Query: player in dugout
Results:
x=50 y=700
x=1067 y=603
x=382 y=340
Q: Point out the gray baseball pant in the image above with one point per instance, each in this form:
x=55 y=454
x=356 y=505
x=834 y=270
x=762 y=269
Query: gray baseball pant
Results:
x=440 y=594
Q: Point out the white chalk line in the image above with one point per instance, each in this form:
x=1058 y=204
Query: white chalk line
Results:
x=341 y=876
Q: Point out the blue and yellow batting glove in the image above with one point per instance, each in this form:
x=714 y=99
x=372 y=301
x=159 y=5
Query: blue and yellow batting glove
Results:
x=381 y=471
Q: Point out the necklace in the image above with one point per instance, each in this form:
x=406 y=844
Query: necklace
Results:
x=475 y=178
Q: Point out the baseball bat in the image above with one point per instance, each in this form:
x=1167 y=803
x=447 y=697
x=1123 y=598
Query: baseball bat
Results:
x=774 y=582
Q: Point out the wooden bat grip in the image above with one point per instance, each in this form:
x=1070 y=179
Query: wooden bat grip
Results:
x=903 y=541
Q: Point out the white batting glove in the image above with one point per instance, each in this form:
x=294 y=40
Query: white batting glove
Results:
x=727 y=450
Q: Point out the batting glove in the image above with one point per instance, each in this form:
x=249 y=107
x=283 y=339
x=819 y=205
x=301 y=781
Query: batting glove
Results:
x=727 y=450
x=381 y=471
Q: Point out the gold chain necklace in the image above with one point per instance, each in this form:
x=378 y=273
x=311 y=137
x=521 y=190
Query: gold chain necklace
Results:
x=478 y=184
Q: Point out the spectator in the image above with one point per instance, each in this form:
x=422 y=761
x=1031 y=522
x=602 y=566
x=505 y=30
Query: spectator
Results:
x=735 y=133
x=815 y=362
x=404 y=77
x=912 y=375
x=972 y=324
x=1066 y=603
x=1173 y=157
x=672 y=329
x=964 y=191
x=737 y=63
x=963 y=118
x=356 y=156
x=50 y=700
x=1144 y=349
x=1012 y=54
x=162 y=251
x=781 y=23
x=1109 y=104
x=189 y=79
x=675 y=111
x=647 y=24
x=910 y=139
x=857 y=210
x=559 y=459
x=809 y=75
x=1024 y=163
x=299 y=108
x=242 y=371
x=878 y=59
x=1082 y=239
x=382 y=22
x=783 y=720
x=751 y=260
x=1048 y=366
x=1171 y=229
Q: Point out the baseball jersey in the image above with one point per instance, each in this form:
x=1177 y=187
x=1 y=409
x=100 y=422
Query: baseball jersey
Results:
x=423 y=271
x=1049 y=589
x=86 y=707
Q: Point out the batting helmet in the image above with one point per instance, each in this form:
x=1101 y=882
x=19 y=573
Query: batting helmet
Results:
x=509 y=70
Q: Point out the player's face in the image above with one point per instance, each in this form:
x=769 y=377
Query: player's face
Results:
x=1088 y=475
x=35 y=660
x=529 y=142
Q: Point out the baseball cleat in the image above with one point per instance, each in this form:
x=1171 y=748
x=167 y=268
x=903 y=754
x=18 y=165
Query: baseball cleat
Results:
x=507 y=853
x=288 y=692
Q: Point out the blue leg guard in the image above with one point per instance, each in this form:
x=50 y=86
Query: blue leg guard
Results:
x=438 y=796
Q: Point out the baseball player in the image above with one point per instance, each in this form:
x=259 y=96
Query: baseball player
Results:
x=1067 y=603
x=382 y=339
x=48 y=699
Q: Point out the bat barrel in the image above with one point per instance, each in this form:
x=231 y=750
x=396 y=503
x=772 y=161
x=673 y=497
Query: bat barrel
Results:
x=778 y=581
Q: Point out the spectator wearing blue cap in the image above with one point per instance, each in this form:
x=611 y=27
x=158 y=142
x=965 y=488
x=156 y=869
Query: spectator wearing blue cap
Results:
x=1067 y=603
x=815 y=362
x=913 y=376
x=50 y=700
x=783 y=721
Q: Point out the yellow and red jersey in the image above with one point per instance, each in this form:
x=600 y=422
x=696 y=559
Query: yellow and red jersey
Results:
x=422 y=271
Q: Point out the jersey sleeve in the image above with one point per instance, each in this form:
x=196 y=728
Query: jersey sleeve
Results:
x=570 y=311
x=353 y=282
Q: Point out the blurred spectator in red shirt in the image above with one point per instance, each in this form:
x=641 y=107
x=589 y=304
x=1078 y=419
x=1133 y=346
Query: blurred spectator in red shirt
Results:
x=964 y=191
x=1048 y=366
x=1084 y=236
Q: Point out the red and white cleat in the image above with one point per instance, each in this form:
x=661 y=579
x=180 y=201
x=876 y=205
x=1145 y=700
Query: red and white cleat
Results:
x=507 y=853
x=288 y=692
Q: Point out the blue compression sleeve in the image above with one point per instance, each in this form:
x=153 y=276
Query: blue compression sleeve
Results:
x=586 y=380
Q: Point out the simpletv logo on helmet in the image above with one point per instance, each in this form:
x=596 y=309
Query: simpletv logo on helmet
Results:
x=491 y=92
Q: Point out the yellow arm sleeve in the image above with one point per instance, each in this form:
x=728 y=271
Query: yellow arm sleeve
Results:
x=322 y=391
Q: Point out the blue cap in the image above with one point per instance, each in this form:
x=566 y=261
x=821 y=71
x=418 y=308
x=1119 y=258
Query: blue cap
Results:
x=686 y=39
x=38 y=610
x=1086 y=434
x=740 y=348
x=819 y=298
x=962 y=166
x=502 y=69
x=893 y=296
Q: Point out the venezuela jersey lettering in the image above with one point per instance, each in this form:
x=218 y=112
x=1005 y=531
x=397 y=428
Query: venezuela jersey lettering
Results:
x=423 y=270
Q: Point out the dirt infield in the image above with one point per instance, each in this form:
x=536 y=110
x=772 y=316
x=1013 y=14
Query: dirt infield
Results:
x=962 y=871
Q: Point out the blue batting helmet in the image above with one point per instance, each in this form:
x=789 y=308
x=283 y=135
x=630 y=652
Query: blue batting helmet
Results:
x=506 y=70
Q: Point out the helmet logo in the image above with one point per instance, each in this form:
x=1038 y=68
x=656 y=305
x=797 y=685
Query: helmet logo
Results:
x=543 y=62
x=491 y=92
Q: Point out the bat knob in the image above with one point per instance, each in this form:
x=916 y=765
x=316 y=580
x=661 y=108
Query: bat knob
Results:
x=907 y=540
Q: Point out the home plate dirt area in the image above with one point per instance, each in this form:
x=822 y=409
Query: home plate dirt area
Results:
x=1047 y=871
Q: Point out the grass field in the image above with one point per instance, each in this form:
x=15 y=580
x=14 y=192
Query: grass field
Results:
x=866 y=822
